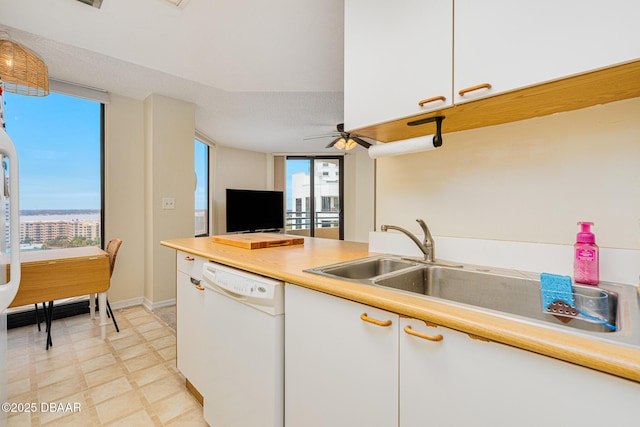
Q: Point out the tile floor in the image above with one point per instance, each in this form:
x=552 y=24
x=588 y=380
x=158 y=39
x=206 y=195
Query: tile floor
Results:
x=130 y=379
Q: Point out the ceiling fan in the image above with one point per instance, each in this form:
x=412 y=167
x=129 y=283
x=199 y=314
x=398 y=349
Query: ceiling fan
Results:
x=343 y=140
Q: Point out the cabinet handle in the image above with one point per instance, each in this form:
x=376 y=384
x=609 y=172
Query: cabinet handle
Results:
x=410 y=331
x=366 y=318
x=464 y=91
x=428 y=100
x=189 y=258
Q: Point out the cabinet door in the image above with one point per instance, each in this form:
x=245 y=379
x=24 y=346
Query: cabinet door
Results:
x=189 y=334
x=470 y=382
x=513 y=44
x=340 y=371
x=190 y=265
x=397 y=53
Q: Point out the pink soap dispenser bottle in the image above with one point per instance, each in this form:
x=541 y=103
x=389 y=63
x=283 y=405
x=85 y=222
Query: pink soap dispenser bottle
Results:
x=586 y=262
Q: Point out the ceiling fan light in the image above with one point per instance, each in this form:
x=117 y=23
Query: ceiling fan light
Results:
x=340 y=144
x=350 y=144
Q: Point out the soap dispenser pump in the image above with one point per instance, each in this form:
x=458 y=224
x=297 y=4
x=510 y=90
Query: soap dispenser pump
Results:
x=586 y=262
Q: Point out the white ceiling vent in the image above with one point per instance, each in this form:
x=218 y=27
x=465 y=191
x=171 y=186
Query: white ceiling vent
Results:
x=94 y=3
x=179 y=3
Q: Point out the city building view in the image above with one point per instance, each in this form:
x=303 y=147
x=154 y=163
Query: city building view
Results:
x=59 y=229
x=323 y=216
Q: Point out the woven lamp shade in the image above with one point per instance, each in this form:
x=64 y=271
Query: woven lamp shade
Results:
x=21 y=71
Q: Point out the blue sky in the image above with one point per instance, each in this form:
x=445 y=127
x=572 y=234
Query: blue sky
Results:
x=58 y=142
x=293 y=166
x=201 y=162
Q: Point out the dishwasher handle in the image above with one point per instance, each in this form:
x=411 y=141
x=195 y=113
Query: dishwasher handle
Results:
x=223 y=291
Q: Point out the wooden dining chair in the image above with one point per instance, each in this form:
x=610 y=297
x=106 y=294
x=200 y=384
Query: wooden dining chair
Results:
x=112 y=249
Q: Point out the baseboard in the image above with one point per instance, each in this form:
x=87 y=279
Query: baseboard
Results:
x=145 y=302
x=73 y=308
x=194 y=391
x=126 y=303
x=150 y=305
x=60 y=311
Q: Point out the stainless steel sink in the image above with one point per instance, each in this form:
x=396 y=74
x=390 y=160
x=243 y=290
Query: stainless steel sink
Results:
x=511 y=293
x=495 y=291
x=367 y=268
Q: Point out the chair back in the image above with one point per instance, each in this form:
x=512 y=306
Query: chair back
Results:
x=112 y=249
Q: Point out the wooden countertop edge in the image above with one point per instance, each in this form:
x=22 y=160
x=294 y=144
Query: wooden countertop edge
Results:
x=607 y=357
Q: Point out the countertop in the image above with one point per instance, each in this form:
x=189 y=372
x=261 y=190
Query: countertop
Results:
x=288 y=263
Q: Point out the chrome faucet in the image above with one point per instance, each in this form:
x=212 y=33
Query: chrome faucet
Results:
x=427 y=247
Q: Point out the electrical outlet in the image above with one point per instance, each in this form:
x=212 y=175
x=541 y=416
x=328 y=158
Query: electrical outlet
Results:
x=168 y=203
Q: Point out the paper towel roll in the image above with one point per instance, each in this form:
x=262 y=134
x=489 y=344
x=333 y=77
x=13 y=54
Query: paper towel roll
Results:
x=396 y=148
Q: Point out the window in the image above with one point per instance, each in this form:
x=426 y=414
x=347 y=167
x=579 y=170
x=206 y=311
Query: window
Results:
x=201 y=163
x=326 y=203
x=317 y=180
x=59 y=140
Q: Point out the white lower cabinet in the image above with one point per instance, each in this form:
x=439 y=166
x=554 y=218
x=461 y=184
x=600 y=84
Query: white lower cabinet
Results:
x=461 y=381
x=343 y=371
x=190 y=319
x=340 y=370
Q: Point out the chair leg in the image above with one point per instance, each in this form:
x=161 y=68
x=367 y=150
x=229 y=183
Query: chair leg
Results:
x=110 y=314
x=44 y=310
x=49 y=314
x=109 y=311
x=108 y=308
x=37 y=317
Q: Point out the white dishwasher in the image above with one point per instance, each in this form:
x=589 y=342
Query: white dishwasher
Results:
x=244 y=344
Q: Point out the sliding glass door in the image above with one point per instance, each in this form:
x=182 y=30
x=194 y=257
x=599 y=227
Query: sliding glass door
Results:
x=314 y=196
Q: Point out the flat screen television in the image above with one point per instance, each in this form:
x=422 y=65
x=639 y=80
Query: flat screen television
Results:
x=254 y=210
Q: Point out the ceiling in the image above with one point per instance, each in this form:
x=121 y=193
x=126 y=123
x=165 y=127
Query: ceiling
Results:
x=263 y=75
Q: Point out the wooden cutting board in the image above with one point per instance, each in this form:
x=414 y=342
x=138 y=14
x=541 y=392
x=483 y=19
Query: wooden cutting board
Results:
x=258 y=240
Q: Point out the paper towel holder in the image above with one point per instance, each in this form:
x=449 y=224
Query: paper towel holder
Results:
x=437 y=138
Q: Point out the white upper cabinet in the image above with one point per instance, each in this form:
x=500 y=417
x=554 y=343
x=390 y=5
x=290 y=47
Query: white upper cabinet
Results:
x=513 y=44
x=398 y=54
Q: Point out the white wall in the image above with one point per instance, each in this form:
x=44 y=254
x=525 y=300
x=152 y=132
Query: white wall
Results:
x=240 y=169
x=359 y=177
x=124 y=194
x=169 y=173
x=528 y=181
x=148 y=155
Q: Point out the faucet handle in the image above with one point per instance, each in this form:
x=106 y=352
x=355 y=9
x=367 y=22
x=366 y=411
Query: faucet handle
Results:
x=425 y=230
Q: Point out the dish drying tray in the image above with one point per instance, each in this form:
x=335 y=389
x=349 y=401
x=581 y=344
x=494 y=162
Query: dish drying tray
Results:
x=572 y=305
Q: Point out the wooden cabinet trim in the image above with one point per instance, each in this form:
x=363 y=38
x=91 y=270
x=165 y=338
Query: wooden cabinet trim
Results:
x=584 y=90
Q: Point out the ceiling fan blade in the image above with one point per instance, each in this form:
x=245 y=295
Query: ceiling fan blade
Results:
x=332 y=143
x=361 y=141
x=329 y=135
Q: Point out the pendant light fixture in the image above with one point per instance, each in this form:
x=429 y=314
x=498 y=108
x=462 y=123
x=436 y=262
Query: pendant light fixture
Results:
x=22 y=71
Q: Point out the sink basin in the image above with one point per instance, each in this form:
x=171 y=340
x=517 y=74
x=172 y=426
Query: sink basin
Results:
x=366 y=268
x=505 y=293
x=511 y=293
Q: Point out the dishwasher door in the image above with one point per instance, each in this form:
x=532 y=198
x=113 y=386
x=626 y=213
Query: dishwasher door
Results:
x=244 y=343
